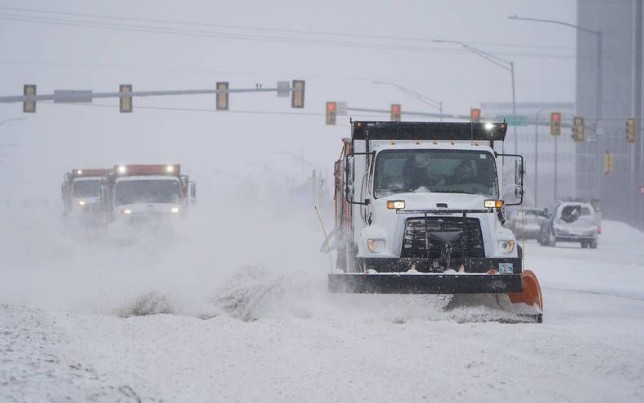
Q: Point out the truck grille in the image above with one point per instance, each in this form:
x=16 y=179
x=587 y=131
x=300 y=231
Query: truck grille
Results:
x=469 y=244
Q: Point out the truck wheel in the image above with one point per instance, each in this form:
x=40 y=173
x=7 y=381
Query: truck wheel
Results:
x=593 y=244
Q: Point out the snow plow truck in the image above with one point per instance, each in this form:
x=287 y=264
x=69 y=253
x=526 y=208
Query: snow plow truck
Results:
x=146 y=195
x=419 y=210
x=81 y=195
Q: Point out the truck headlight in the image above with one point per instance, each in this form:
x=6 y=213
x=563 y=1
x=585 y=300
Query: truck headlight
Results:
x=81 y=202
x=506 y=246
x=491 y=203
x=376 y=245
x=127 y=211
x=175 y=209
x=395 y=204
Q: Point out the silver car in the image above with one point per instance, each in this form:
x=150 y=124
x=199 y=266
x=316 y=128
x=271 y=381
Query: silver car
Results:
x=571 y=221
x=526 y=223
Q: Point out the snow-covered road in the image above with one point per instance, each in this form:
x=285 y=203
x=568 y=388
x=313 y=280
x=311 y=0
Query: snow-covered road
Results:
x=266 y=330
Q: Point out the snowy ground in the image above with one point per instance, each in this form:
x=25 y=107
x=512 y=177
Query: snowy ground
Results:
x=244 y=316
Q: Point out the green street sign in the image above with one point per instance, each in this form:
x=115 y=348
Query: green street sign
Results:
x=514 y=120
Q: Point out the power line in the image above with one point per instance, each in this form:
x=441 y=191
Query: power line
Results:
x=317 y=38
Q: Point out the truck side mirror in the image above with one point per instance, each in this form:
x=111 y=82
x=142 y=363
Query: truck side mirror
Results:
x=348 y=177
x=518 y=172
x=193 y=193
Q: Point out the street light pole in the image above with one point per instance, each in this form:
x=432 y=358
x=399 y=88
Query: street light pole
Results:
x=536 y=155
x=426 y=100
x=504 y=64
x=599 y=88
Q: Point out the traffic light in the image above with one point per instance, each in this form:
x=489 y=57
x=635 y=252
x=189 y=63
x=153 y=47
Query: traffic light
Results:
x=578 y=129
x=475 y=115
x=297 y=94
x=555 y=123
x=222 y=96
x=29 y=106
x=608 y=162
x=331 y=111
x=630 y=130
x=395 y=112
x=125 y=101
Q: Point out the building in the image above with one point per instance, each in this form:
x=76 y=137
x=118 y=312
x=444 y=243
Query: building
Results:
x=608 y=92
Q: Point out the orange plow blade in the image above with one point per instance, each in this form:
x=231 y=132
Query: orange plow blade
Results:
x=531 y=294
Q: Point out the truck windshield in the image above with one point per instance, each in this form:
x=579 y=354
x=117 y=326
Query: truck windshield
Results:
x=87 y=188
x=147 y=191
x=440 y=171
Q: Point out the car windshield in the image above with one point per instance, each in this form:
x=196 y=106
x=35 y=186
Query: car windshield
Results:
x=441 y=171
x=147 y=191
x=87 y=188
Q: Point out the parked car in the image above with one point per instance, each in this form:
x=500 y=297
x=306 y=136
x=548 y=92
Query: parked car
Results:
x=570 y=221
x=526 y=223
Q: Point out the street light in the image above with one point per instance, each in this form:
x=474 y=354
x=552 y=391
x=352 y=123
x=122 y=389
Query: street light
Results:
x=504 y=64
x=426 y=100
x=600 y=44
x=599 y=89
x=2 y=122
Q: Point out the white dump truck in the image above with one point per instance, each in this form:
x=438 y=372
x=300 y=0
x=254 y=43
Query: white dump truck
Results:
x=419 y=209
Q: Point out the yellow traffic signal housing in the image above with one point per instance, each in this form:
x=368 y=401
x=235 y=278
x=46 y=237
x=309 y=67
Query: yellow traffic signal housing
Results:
x=475 y=115
x=297 y=94
x=555 y=123
x=608 y=162
x=578 y=129
x=395 y=112
x=29 y=106
x=630 y=130
x=125 y=101
x=222 y=96
x=331 y=111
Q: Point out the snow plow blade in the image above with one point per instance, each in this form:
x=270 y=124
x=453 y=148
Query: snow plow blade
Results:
x=530 y=294
x=425 y=283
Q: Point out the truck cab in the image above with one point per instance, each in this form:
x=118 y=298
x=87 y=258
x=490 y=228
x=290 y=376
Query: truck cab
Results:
x=147 y=194
x=426 y=197
x=81 y=191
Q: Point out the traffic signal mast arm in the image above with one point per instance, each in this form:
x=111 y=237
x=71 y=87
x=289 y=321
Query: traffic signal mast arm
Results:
x=87 y=96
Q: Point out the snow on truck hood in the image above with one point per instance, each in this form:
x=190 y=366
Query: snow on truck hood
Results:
x=426 y=200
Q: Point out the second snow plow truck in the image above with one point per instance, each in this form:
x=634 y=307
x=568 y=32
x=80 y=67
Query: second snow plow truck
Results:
x=149 y=197
x=419 y=210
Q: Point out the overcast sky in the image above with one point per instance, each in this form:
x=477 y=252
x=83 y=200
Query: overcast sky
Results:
x=338 y=47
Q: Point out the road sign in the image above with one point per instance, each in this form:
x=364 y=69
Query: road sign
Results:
x=62 y=96
x=514 y=120
x=283 y=89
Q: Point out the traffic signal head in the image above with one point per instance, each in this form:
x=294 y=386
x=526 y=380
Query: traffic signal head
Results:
x=29 y=106
x=608 y=162
x=475 y=115
x=222 y=96
x=578 y=129
x=125 y=101
x=395 y=112
x=555 y=123
x=630 y=130
x=297 y=94
x=331 y=111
